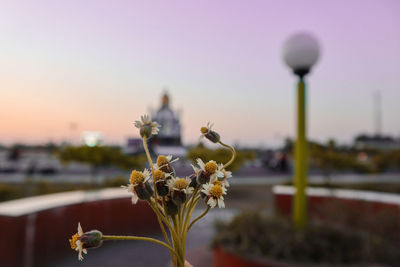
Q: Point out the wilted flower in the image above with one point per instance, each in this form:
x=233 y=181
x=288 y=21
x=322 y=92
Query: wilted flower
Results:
x=139 y=186
x=180 y=189
x=214 y=193
x=207 y=132
x=147 y=127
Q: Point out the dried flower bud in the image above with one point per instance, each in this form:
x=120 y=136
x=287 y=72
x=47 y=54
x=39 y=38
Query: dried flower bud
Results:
x=92 y=239
x=147 y=126
x=145 y=131
x=162 y=188
x=203 y=177
x=144 y=191
x=81 y=241
x=179 y=197
x=208 y=133
x=172 y=208
x=193 y=182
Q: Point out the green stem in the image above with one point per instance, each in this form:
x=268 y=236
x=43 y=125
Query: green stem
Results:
x=177 y=243
x=116 y=237
x=233 y=154
x=164 y=219
x=179 y=217
x=198 y=218
x=190 y=209
x=156 y=208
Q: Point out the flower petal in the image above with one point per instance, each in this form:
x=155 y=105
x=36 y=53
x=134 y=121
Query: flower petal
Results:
x=80 y=231
x=221 y=203
x=135 y=198
x=211 y=202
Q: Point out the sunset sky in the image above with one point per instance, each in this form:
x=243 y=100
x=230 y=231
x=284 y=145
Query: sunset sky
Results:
x=101 y=64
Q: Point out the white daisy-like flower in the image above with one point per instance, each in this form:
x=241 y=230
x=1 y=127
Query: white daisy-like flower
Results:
x=180 y=184
x=210 y=168
x=77 y=244
x=214 y=194
x=135 y=179
x=147 y=126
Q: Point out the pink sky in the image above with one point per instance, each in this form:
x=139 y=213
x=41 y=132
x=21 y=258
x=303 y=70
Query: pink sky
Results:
x=101 y=64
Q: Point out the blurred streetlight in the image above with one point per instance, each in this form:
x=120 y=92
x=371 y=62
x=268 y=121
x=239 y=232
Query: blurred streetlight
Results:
x=300 y=53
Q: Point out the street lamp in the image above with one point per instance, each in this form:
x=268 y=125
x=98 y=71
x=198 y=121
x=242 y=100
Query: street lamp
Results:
x=300 y=53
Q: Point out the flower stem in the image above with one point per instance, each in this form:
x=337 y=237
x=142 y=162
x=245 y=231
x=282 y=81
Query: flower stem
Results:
x=180 y=259
x=156 y=208
x=117 y=237
x=198 y=218
x=163 y=218
x=233 y=154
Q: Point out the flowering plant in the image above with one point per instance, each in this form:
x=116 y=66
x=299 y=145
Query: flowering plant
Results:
x=172 y=198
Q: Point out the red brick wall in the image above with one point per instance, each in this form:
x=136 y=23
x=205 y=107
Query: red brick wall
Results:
x=41 y=237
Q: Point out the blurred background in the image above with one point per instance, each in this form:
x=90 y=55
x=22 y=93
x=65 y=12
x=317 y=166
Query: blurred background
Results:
x=74 y=76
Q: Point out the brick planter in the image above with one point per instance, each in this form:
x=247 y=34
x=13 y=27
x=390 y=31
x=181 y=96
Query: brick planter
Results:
x=224 y=258
x=35 y=230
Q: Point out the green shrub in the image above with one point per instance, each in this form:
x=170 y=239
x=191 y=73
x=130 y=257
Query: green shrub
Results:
x=251 y=234
x=116 y=181
x=8 y=192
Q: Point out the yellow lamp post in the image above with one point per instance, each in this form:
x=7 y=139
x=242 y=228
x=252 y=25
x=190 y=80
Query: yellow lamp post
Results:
x=300 y=53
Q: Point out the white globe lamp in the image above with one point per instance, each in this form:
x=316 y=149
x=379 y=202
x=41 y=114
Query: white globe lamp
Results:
x=300 y=52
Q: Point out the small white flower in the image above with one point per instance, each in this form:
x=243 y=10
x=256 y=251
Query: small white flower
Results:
x=166 y=160
x=210 y=167
x=146 y=121
x=180 y=184
x=135 y=179
x=201 y=163
x=215 y=194
x=76 y=243
x=206 y=130
x=223 y=175
x=131 y=189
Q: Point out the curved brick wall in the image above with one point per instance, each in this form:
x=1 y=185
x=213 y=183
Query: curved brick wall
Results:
x=35 y=230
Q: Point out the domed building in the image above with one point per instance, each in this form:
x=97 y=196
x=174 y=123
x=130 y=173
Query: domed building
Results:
x=170 y=131
x=168 y=141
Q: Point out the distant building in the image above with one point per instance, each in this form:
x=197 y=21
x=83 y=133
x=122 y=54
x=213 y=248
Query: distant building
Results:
x=379 y=142
x=133 y=146
x=168 y=140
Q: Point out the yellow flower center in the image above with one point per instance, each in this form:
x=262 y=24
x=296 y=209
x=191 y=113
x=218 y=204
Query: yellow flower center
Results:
x=216 y=191
x=204 y=130
x=211 y=167
x=73 y=240
x=136 y=177
x=217 y=183
x=158 y=175
x=162 y=160
x=180 y=183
